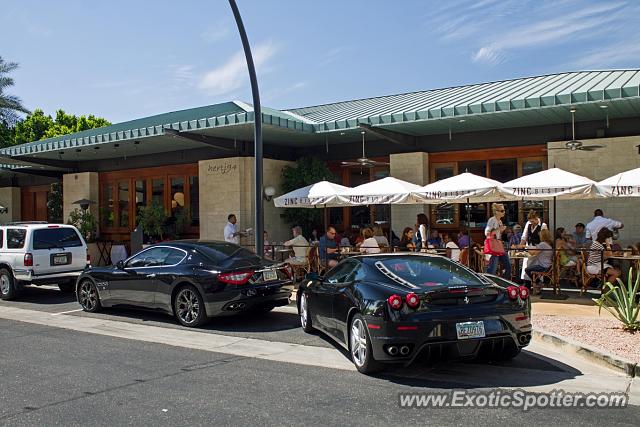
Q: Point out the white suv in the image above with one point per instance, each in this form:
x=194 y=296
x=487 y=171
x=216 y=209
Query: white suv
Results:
x=37 y=253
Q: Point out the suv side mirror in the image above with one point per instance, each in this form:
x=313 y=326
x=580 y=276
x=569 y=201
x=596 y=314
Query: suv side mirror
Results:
x=120 y=265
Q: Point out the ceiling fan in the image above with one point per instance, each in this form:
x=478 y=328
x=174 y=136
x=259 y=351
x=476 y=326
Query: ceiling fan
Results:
x=363 y=161
x=574 y=144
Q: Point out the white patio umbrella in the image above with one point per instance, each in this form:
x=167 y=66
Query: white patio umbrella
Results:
x=624 y=184
x=320 y=194
x=387 y=190
x=550 y=183
x=465 y=187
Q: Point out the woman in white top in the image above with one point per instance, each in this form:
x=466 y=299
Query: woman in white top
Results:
x=379 y=236
x=421 y=234
x=370 y=245
x=531 y=238
x=453 y=251
x=494 y=230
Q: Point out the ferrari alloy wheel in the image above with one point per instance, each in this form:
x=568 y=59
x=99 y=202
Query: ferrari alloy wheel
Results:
x=360 y=346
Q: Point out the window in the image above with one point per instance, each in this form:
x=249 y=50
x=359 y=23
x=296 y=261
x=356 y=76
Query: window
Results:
x=1 y=238
x=108 y=217
x=503 y=170
x=174 y=257
x=48 y=238
x=476 y=167
x=154 y=257
x=15 y=238
x=157 y=191
x=428 y=272
x=123 y=204
x=194 y=201
x=342 y=272
x=175 y=189
x=141 y=197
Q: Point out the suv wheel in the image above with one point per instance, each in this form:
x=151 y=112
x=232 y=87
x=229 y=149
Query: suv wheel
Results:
x=8 y=288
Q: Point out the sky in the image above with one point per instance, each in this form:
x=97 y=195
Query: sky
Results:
x=129 y=59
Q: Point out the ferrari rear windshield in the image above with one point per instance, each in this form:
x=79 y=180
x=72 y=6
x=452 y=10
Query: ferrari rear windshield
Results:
x=428 y=272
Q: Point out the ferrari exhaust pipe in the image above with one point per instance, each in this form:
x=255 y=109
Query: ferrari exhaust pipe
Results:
x=524 y=338
x=404 y=350
x=241 y=305
x=393 y=350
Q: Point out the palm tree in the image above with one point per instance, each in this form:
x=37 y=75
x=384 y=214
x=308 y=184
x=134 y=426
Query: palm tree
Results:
x=10 y=105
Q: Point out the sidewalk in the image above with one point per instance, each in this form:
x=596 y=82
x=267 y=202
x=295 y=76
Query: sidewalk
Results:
x=575 y=325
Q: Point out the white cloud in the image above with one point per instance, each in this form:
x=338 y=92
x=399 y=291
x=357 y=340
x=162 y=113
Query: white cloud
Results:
x=232 y=75
x=217 y=32
x=488 y=54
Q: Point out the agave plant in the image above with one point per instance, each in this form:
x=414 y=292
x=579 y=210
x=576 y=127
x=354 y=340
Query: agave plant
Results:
x=622 y=301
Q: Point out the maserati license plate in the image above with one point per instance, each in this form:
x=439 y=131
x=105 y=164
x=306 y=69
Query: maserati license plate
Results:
x=467 y=330
x=269 y=275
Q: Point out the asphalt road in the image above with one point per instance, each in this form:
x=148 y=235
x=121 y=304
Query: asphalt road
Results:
x=51 y=375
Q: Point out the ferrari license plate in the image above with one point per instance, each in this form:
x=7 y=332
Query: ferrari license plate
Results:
x=467 y=330
x=269 y=275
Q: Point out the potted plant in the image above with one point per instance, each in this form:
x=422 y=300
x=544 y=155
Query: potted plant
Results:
x=87 y=225
x=151 y=219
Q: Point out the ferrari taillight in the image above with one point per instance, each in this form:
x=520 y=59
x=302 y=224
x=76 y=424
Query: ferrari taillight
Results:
x=524 y=292
x=412 y=300
x=395 y=302
x=235 y=278
x=513 y=292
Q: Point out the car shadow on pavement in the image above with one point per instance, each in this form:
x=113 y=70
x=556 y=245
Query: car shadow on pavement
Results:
x=44 y=296
x=526 y=370
x=241 y=322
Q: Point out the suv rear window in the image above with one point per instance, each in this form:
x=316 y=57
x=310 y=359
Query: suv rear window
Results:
x=15 y=238
x=48 y=238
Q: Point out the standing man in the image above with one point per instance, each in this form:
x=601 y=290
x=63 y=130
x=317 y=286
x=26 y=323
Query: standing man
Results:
x=328 y=248
x=599 y=222
x=231 y=233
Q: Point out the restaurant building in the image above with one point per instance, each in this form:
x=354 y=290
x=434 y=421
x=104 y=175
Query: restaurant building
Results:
x=200 y=159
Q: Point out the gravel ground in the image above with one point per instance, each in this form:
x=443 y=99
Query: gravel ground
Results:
x=606 y=334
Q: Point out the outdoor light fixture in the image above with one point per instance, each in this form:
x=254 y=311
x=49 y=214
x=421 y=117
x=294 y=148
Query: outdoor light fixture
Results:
x=269 y=192
x=84 y=203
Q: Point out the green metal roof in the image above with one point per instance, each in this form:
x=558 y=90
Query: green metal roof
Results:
x=519 y=102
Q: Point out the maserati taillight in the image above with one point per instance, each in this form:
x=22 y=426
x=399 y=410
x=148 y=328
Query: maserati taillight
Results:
x=235 y=278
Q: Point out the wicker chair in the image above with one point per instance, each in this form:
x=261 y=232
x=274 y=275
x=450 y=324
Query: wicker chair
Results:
x=315 y=264
x=551 y=274
x=587 y=277
x=570 y=273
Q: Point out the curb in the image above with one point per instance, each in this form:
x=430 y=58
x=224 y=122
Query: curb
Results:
x=600 y=357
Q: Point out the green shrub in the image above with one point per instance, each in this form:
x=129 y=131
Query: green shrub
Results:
x=85 y=222
x=622 y=302
x=151 y=219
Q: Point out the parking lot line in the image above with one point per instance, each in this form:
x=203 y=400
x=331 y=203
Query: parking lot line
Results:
x=66 y=312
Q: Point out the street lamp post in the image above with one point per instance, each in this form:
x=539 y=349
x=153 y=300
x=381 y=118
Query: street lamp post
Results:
x=257 y=123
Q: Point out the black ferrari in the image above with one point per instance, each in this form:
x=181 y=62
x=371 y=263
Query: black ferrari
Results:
x=193 y=280
x=397 y=307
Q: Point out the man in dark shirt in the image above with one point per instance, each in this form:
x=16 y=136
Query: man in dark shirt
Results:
x=328 y=248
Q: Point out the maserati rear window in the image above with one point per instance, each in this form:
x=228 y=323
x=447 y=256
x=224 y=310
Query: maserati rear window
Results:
x=426 y=271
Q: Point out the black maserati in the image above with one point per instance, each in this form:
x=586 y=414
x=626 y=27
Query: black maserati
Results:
x=396 y=307
x=191 y=279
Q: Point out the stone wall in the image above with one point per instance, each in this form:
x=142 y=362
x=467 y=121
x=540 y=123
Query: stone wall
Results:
x=226 y=186
x=617 y=155
x=77 y=186
x=411 y=167
x=10 y=199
